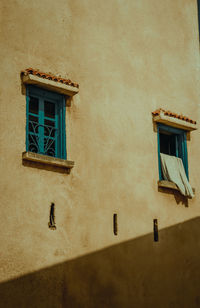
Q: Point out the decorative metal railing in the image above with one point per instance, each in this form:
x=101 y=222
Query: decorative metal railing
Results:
x=42 y=139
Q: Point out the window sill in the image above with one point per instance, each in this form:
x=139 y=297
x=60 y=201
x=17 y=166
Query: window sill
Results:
x=50 y=85
x=61 y=164
x=171 y=185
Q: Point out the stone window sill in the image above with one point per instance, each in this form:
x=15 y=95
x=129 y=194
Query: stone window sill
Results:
x=171 y=185
x=38 y=159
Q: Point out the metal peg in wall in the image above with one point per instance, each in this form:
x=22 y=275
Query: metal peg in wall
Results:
x=115 y=229
x=155 y=229
x=52 y=223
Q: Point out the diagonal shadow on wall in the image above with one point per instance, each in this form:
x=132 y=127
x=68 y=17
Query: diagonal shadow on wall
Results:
x=137 y=273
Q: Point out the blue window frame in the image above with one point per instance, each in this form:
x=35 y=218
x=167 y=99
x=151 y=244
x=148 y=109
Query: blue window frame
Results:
x=172 y=141
x=198 y=9
x=45 y=125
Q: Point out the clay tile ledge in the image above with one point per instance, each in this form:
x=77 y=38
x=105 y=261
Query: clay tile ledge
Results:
x=172 y=119
x=49 y=82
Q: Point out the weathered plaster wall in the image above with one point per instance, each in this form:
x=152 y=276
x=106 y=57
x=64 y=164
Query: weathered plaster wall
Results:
x=130 y=58
x=135 y=273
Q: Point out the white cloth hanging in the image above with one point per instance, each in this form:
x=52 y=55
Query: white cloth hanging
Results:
x=173 y=171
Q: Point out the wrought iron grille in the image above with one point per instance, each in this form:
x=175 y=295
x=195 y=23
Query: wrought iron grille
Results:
x=42 y=138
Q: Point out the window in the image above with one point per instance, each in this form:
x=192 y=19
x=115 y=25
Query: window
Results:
x=45 y=128
x=198 y=8
x=172 y=141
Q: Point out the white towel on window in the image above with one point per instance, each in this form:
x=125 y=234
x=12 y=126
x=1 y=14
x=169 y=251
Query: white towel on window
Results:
x=173 y=171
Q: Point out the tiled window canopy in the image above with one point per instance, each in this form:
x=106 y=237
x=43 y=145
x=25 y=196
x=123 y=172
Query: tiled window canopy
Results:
x=49 y=81
x=173 y=119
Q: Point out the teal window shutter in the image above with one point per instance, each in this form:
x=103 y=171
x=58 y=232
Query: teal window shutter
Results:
x=198 y=12
x=45 y=126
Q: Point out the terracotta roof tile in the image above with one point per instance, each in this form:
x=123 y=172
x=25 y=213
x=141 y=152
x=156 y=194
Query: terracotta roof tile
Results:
x=49 y=76
x=172 y=114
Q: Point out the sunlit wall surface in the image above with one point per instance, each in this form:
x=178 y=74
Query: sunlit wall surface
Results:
x=129 y=58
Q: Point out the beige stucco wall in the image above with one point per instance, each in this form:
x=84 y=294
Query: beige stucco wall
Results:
x=130 y=58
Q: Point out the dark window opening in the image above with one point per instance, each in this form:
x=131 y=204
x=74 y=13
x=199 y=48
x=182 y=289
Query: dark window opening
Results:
x=33 y=105
x=168 y=144
x=49 y=109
